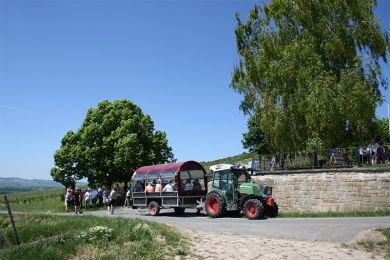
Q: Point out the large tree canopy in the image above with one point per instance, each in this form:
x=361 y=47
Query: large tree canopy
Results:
x=114 y=139
x=310 y=71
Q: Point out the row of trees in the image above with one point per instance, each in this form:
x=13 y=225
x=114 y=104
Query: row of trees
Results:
x=310 y=74
x=114 y=140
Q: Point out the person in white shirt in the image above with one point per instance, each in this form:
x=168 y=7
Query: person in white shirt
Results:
x=169 y=187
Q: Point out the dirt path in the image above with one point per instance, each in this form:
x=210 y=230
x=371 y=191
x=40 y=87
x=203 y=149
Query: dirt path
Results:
x=205 y=245
x=237 y=238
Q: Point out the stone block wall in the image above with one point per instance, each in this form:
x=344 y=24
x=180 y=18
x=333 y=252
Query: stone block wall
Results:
x=339 y=190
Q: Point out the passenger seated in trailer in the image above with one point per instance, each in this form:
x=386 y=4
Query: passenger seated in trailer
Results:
x=158 y=186
x=138 y=187
x=169 y=187
x=196 y=185
x=188 y=185
x=149 y=187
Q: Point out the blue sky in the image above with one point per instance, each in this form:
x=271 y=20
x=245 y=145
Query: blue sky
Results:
x=172 y=58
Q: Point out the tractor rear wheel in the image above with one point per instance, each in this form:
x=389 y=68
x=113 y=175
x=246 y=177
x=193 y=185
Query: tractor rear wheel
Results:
x=178 y=210
x=253 y=209
x=153 y=208
x=214 y=205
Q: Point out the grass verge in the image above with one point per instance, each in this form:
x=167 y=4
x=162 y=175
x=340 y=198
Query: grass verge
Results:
x=381 y=248
x=88 y=237
x=333 y=214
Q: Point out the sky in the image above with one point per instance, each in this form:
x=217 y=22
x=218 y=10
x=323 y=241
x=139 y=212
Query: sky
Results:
x=172 y=58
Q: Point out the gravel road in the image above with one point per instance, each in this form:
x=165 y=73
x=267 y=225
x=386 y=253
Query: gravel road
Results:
x=302 y=229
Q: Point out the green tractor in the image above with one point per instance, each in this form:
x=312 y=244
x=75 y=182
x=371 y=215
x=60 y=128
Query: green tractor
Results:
x=231 y=189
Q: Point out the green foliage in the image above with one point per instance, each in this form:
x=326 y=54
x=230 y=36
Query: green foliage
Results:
x=64 y=237
x=115 y=139
x=254 y=139
x=96 y=235
x=310 y=72
x=383 y=131
x=141 y=230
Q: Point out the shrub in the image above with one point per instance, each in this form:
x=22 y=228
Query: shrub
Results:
x=141 y=231
x=96 y=235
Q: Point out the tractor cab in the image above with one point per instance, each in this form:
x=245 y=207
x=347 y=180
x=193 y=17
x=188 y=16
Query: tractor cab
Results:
x=231 y=187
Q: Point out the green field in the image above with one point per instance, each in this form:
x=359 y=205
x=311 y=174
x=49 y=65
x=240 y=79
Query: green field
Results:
x=51 y=200
x=87 y=237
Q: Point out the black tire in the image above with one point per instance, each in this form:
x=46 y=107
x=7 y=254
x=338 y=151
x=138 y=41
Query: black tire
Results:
x=215 y=207
x=179 y=211
x=272 y=212
x=153 y=208
x=253 y=209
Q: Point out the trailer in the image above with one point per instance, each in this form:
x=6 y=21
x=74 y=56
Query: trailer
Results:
x=173 y=185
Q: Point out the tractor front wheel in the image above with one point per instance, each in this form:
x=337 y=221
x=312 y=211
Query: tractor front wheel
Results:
x=214 y=205
x=153 y=208
x=273 y=211
x=253 y=209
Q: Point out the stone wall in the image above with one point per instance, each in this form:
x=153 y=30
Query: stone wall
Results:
x=338 y=190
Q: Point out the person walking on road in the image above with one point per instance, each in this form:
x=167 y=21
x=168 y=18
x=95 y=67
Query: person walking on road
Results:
x=112 y=201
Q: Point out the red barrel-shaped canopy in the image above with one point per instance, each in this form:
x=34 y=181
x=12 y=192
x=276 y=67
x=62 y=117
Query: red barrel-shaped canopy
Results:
x=168 y=170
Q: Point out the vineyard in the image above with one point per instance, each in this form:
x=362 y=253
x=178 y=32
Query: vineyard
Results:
x=35 y=201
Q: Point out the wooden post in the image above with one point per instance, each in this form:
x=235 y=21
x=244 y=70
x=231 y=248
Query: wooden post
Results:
x=11 y=219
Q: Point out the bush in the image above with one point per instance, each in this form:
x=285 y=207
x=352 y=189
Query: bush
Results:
x=96 y=235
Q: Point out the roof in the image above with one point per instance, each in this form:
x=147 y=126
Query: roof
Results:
x=167 y=170
x=220 y=167
x=225 y=166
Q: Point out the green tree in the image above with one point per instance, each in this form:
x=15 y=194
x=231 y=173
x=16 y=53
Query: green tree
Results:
x=114 y=140
x=254 y=138
x=383 y=132
x=68 y=169
x=309 y=70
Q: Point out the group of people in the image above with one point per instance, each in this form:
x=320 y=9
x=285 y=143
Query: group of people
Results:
x=156 y=186
x=73 y=198
x=77 y=199
x=374 y=153
x=83 y=198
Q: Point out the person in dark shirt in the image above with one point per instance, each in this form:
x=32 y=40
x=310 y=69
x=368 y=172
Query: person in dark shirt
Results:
x=77 y=201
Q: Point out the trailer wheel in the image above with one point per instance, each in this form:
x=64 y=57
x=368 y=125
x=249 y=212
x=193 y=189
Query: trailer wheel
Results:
x=253 y=209
x=214 y=205
x=153 y=208
x=179 y=211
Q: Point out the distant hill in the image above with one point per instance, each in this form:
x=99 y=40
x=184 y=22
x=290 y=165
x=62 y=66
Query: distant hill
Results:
x=11 y=185
x=243 y=158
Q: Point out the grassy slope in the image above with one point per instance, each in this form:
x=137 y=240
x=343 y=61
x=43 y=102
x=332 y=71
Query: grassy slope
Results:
x=64 y=237
x=36 y=201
